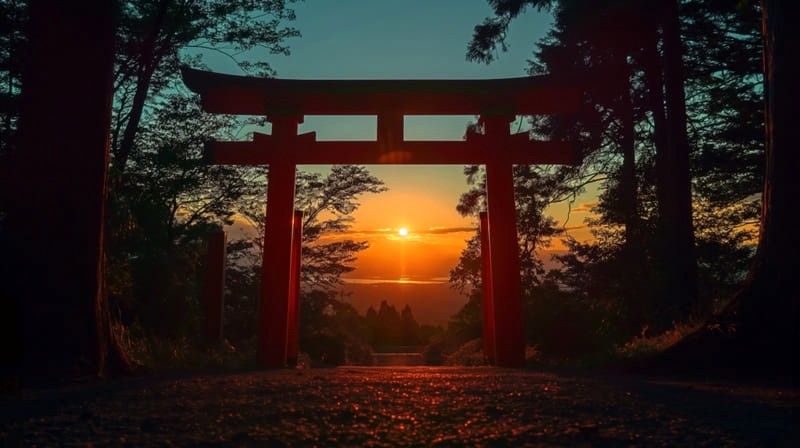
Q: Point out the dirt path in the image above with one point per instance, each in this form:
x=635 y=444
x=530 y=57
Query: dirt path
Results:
x=401 y=406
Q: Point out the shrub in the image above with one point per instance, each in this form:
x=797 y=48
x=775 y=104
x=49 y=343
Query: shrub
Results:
x=562 y=326
x=469 y=354
x=644 y=346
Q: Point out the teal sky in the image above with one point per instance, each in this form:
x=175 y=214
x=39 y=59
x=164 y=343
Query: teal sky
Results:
x=400 y=39
x=389 y=39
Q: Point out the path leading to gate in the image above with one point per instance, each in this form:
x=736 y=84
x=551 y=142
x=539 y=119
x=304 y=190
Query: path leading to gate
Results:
x=353 y=406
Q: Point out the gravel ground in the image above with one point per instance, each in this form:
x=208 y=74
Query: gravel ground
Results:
x=419 y=406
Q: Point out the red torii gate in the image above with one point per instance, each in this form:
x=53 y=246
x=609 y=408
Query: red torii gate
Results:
x=284 y=102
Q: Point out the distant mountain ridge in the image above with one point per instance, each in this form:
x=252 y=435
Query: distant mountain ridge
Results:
x=432 y=300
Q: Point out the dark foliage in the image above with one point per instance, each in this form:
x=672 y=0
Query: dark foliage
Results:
x=611 y=287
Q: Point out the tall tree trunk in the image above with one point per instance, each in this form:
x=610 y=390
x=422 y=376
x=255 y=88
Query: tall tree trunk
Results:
x=629 y=182
x=632 y=251
x=56 y=223
x=767 y=309
x=678 y=224
x=654 y=80
x=123 y=151
x=759 y=330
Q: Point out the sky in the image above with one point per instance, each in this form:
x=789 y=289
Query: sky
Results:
x=412 y=39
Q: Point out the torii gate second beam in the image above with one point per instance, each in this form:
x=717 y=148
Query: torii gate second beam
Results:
x=285 y=102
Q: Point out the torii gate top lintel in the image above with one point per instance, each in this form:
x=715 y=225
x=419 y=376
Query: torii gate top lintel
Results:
x=497 y=101
x=233 y=94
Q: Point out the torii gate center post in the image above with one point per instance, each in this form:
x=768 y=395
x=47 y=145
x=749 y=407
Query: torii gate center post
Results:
x=285 y=102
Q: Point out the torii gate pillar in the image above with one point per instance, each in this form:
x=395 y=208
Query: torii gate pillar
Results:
x=487 y=305
x=276 y=277
x=293 y=317
x=509 y=334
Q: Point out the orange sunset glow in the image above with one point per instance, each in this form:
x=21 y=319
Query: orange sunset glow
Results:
x=413 y=229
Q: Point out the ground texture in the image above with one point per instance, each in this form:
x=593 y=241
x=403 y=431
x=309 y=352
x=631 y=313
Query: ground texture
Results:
x=418 y=406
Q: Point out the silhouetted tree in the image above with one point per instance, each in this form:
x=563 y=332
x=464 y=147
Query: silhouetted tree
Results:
x=761 y=322
x=465 y=325
x=724 y=81
x=52 y=239
x=327 y=203
x=623 y=45
x=602 y=38
x=153 y=39
x=168 y=201
x=155 y=36
x=386 y=327
x=332 y=331
x=533 y=191
x=389 y=327
x=675 y=204
x=13 y=16
x=371 y=318
x=409 y=328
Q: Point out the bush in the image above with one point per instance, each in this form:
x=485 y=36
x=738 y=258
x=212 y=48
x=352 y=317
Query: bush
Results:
x=469 y=354
x=158 y=354
x=562 y=326
x=643 y=346
x=433 y=354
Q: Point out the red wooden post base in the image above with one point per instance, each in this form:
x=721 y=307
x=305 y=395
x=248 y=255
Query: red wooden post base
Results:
x=506 y=285
x=293 y=325
x=487 y=305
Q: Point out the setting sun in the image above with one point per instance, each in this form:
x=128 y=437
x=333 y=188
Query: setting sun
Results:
x=403 y=231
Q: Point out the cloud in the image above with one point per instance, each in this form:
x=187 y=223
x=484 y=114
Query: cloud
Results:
x=370 y=232
x=411 y=231
x=401 y=281
x=444 y=230
x=586 y=207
